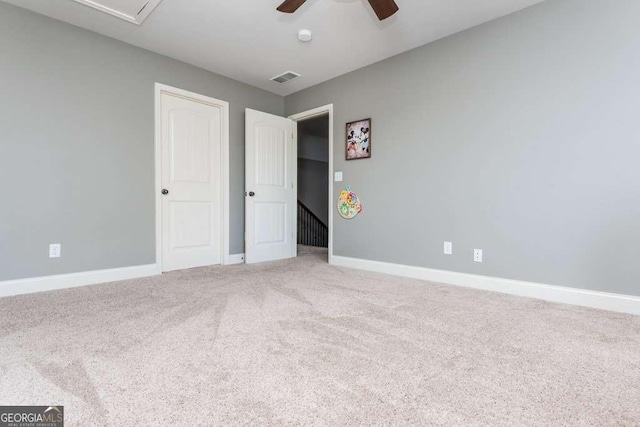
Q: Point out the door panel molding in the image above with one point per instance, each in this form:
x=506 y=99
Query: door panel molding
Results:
x=223 y=106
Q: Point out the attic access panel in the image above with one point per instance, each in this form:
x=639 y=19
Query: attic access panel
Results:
x=134 y=11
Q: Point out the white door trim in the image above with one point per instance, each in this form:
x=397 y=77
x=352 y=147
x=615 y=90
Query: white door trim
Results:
x=224 y=108
x=309 y=115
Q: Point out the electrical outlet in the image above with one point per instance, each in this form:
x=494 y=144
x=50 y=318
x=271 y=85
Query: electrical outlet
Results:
x=448 y=248
x=55 y=250
x=477 y=255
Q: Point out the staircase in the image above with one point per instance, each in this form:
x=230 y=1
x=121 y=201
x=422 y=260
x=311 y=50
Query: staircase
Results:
x=311 y=230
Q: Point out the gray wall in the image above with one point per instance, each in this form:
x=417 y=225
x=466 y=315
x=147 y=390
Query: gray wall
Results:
x=77 y=143
x=313 y=187
x=519 y=137
x=313 y=147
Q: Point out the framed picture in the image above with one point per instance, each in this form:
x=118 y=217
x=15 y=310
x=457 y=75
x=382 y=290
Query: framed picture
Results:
x=359 y=140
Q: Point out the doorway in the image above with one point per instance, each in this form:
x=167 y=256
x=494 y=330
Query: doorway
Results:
x=192 y=142
x=271 y=184
x=315 y=180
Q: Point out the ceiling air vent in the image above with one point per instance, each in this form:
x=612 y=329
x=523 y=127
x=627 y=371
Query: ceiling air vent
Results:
x=134 y=11
x=285 y=77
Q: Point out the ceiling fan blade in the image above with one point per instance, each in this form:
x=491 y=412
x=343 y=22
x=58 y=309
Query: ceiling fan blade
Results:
x=290 y=6
x=384 y=8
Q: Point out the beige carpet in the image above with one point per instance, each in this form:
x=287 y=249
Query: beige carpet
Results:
x=300 y=342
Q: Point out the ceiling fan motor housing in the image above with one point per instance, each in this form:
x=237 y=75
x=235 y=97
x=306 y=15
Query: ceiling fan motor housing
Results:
x=383 y=8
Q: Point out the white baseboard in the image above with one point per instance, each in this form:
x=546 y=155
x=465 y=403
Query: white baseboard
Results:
x=574 y=296
x=73 y=280
x=235 y=259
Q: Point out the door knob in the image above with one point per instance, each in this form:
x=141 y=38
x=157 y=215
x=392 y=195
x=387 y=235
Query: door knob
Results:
x=165 y=191
x=251 y=194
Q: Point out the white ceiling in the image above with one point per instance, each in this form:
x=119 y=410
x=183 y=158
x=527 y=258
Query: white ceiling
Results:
x=248 y=40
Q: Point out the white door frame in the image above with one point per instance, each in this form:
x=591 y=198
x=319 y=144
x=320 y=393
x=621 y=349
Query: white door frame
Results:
x=224 y=160
x=305 y=115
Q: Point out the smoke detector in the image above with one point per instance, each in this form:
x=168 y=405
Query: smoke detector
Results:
x=305 y=35
x=134 y=11
x=285 y=77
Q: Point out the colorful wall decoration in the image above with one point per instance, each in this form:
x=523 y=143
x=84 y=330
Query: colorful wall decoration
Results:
x=349 y=204
x=359 y=140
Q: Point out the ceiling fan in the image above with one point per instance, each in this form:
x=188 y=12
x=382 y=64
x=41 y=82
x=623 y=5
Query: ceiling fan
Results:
x=382 y=8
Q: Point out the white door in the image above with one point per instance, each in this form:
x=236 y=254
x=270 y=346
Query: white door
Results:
x=270 y=187
x=191 y=179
